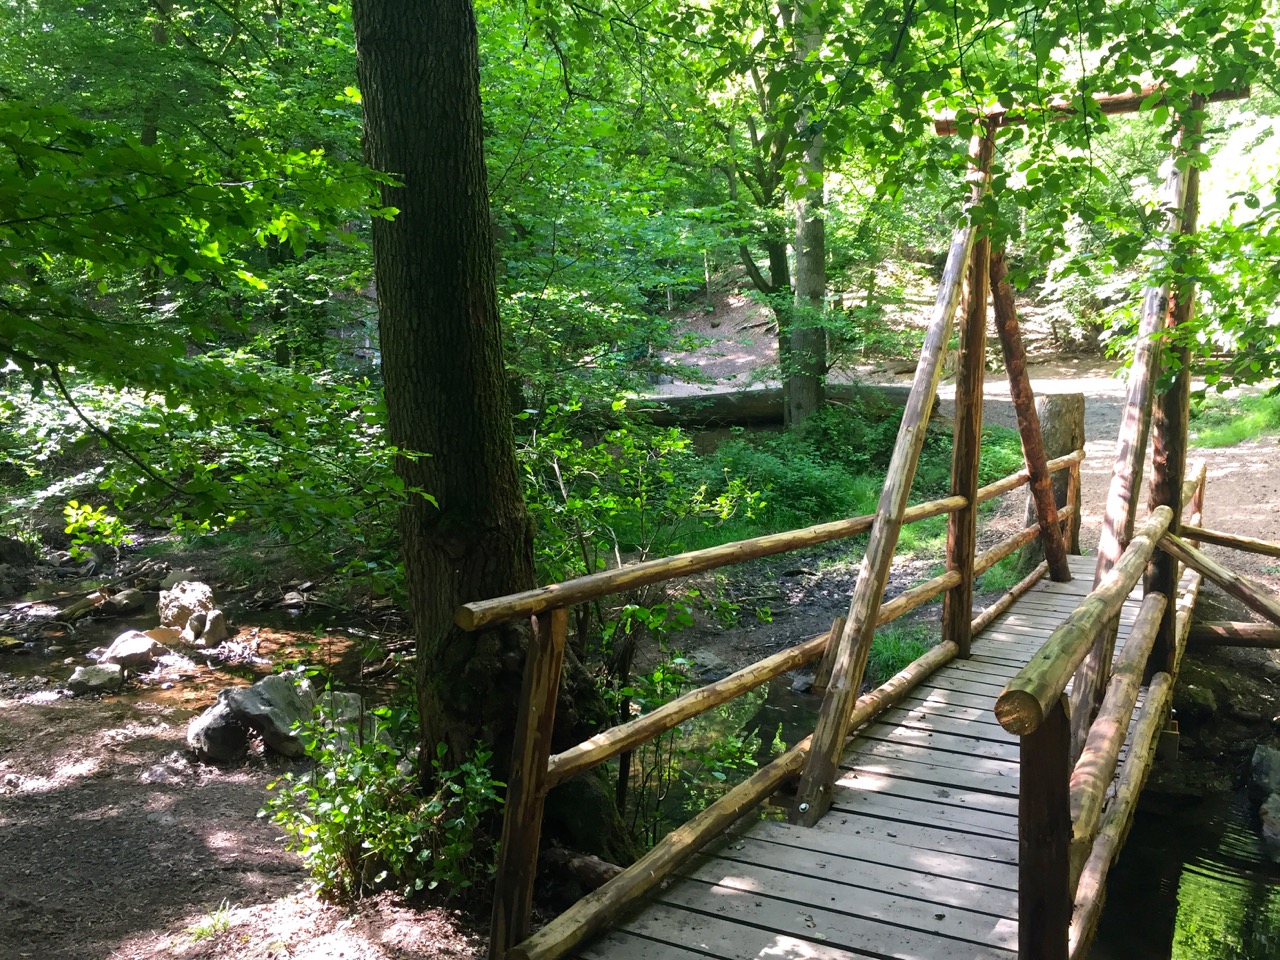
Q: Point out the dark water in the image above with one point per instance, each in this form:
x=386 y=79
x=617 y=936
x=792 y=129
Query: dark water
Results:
x=1193 y=883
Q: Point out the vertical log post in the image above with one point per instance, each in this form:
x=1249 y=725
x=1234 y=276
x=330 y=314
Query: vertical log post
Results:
x=1072 y=533
x=1044 y=838
x=1024 y=406
x=1169 y=426
x=1131 y=452
x=813 y=795
x=966 y=449
x=526 y=784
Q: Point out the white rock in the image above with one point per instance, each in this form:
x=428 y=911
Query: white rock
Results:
x=182 y=603
x=96 y=678
x=133 y=650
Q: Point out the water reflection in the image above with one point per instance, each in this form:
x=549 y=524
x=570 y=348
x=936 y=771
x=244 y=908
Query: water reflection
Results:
x=1193 y=883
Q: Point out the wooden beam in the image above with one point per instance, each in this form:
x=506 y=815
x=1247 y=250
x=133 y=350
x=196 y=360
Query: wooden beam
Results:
x=984 y=619
x=1216 y=537
x=1024 y=405
x=966 y=444
x=627 y=736
x=598 y=909
x=526 y=785
x=1044 y=835
x=1131 y=452
x=948 y=125
x=1234 y=633
x=1020 y=479
x=814 y=792
x=1096 y=768
x=1170 y=418
x=1254 y=597
x=473 y=616
x=1022 y=704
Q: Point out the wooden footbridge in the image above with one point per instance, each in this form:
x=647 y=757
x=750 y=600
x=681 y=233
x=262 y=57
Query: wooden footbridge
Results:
x=972 y=805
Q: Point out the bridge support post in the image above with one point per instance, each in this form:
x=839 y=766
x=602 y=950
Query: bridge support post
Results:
x=966 y=448
x=527 y=784
x=1024 y=406
x=1169 y=421
x=1044 y=838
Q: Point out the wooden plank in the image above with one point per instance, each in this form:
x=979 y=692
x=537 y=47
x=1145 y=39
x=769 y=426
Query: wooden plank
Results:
x=977 y=711
x=910 y=810
x=841 y=903
x=704 y=917
x=874 y=870
x=940 y=839
x=620 y=945
x=995 y=672
x=1024 y=405
x=931 y=792
x=526 y=787
x=966 y=746
x=995 y=874
x=714 y=936
x=882 y=750
x=962 y=685
x=926 y=766
x=923 y=720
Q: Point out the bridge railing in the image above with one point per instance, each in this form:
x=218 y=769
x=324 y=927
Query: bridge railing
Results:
x=1066 y=840
x=535 y=770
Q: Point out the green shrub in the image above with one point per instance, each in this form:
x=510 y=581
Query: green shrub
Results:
x=1220 y=421
x=362 y=824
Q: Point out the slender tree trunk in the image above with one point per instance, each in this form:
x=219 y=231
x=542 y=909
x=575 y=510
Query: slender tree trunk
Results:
x=442 y=362
x=807 y=367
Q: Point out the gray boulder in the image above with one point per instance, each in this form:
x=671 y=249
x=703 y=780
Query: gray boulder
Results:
x=1265 y=769
x=273 y=706
x=215 y=629
x=133 y=650
x=96 y=678
x=218 y=735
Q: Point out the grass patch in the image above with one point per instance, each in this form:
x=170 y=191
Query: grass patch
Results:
x=896 y=647
x=1002 y=577
x=1221 y=421
x=216 y=922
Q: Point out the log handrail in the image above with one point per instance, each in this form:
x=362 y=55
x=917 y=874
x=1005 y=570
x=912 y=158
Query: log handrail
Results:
x=1022 y=705
x=482 y=613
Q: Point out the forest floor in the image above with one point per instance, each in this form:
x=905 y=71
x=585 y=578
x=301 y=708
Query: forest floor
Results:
x=119 y=846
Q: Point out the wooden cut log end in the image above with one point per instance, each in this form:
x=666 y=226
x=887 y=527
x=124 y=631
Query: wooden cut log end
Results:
x=1019 y=712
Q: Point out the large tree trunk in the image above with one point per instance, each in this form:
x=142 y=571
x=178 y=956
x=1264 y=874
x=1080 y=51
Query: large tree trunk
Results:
x=447 y=398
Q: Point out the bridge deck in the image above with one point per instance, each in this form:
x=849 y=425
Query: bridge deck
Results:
x=918 y=857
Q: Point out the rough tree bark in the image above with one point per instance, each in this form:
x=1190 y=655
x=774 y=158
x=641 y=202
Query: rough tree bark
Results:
x=448 y=398
x=442 y=362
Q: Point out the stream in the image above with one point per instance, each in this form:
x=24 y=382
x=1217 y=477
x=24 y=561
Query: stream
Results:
x=1193 y=883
